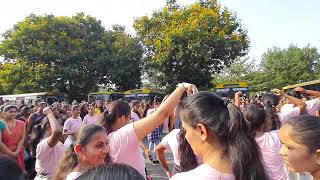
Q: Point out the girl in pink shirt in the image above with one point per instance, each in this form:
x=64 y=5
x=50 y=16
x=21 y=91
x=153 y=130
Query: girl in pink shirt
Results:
x=300 y=144
x=91 y=118
x=89 y=150
x=124 y=137
x=49 y=149
x=72 y=125
x=268 y=142
x=218 y=133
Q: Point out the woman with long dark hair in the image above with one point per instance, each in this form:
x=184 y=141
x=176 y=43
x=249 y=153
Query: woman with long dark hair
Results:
x=274 y=118
x=48 y=148
x=218 y=133
x=124 y=137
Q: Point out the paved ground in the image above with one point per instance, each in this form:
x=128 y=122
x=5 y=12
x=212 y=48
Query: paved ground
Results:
x=156 y=171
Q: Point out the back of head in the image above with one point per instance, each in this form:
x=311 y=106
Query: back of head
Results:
x=116 y=110
x=112 y=172
x=270 y=101
x=226 y=123
x=255 y=118
x=296 y=94
x=9 y=169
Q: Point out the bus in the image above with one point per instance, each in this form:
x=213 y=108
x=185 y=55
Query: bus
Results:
x=227 y=90
x=104 y=96
x=310 y=85
x=142 y=94
x=32 y=98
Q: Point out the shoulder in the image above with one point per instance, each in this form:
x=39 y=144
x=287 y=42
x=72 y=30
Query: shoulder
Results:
x=73 y=175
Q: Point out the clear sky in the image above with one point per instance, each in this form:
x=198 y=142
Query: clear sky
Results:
x=269 y=22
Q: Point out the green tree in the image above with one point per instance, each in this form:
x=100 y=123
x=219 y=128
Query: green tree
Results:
x=126 y=62
x=281 y=67
x=190 y=43
x=240 y=70
x=77 y=51
x=19 y=77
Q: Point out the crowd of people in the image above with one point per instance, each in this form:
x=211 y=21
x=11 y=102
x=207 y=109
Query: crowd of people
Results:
x=209 y=137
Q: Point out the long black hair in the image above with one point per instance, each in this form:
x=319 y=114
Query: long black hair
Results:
x=227 y=123
x=116 y=110
x=188 y=160
x=270 y=101
x=37 y=133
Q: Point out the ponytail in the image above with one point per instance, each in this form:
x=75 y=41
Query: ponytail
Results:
x=37 y=133
x=67 y=164
x=272 y=119
x=108 y=120
x=117 y=109
x=270 y=101
x=188 y=160
x=241 y=148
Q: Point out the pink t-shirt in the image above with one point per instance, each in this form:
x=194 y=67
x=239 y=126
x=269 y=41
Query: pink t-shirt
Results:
x=313 y=106
x=203 y=172
x=270 y=145
x=124 y=148
x=91 y=119
x=134 y=116
x=73 y=125
x=288 y=113
x=47 y=158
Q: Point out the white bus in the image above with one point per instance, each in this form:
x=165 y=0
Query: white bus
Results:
x=31 y=98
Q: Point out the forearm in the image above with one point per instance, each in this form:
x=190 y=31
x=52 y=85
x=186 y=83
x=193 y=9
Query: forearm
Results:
x=313 y=93
x=54 y=125
x=162 y=159
x=237 y=100
x=4 y=149
x=148 y=124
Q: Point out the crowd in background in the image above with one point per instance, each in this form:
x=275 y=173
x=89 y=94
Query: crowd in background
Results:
x=261 y=138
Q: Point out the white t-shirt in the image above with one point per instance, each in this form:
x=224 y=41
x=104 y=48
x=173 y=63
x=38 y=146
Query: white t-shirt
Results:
x=313 y=106
x=47 y=158
x=288 y=113
x=270 y=145
x=203 y=172
x=73 y=175
x=170 y=141
x=124 y=148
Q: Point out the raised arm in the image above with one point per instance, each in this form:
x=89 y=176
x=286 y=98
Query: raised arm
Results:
x=161 y=156
x=237 y=101
x=298 y=102
x=149 y=123
x=309 y=92
x=56 y=128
